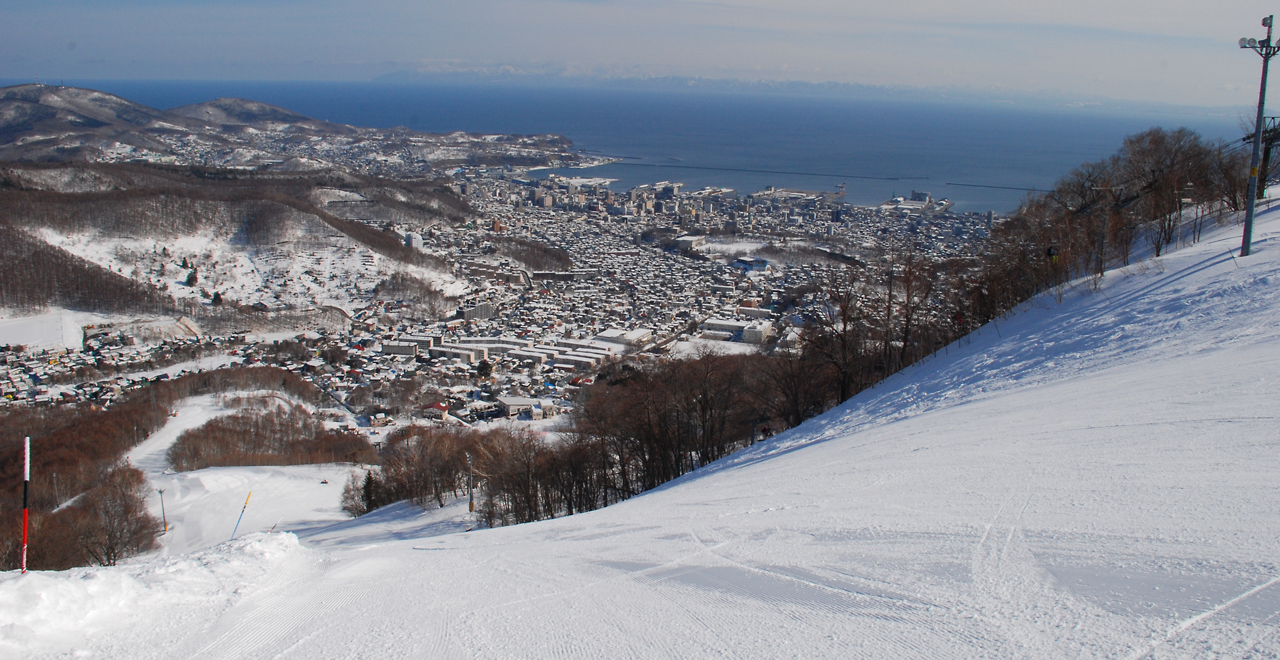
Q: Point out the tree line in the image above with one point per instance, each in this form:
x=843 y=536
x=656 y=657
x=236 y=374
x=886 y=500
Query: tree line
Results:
x=35 y=275
x=283 y=435
x=638 y=428
x=426 y=299
x=535 y=255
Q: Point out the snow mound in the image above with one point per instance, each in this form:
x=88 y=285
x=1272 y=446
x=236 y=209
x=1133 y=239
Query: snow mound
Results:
x=46 y=610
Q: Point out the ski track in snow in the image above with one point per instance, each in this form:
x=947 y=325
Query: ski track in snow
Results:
x=1090 y=478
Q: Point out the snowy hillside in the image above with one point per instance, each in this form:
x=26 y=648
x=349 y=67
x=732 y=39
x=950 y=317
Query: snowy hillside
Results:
x=313 y=265
x=1090 y=478
x=45 y=123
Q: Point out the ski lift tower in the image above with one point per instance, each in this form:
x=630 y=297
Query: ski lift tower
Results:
x=1270 y=137
x=1267 y=51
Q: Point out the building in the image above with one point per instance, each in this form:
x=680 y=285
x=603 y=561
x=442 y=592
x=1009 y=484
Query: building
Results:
x=399 y=348
x=423 y=341
x=754 y=312
x=479 y=312
x=514 y=406
x=758 y=332
x=690 y=242
x=752 y=265
x=733 y=326
x=455 y=352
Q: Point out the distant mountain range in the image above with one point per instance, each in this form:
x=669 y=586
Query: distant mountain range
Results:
x=555 y=76
x=47 y=123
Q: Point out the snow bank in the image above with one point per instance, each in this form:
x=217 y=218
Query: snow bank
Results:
x=49 y=611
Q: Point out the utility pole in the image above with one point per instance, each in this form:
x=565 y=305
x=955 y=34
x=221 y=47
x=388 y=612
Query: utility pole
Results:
x=1267 y=51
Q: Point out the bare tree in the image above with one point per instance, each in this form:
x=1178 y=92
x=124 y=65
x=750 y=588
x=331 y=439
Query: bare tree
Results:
x=837 y=333
x=115 y=522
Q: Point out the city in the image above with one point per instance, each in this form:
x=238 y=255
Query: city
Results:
x=552 y=279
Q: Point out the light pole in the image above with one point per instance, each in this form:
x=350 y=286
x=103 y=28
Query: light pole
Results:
x=1267 y=51
x=164 y=518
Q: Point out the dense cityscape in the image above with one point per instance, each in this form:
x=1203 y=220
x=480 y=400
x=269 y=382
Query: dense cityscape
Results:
x=652 y=271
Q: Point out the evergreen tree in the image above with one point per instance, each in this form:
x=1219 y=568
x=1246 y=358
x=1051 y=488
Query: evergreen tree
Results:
x=369 y=491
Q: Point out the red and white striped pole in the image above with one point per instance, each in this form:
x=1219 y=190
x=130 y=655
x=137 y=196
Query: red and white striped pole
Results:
x=26 y=496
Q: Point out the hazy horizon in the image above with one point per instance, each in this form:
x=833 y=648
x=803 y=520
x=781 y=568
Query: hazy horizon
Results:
x=1179 y=53
x=685 y=85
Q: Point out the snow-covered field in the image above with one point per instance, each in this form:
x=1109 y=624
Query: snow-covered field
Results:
x=739 y=247
x=58 y=328
x=1091 y=478
x=696 y=346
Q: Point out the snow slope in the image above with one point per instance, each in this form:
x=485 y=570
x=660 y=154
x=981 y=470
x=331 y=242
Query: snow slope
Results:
x=1090 y=478
x=201 y=507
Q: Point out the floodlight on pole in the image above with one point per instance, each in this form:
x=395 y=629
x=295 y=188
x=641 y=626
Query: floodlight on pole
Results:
x=1267 y=51
x=163 y=518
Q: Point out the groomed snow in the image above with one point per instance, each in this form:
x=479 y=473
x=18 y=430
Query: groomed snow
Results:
x=1090 y=478
x=202 y=507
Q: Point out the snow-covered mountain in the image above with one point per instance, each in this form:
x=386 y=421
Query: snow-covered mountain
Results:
x=55 y=123
x=1090 y=477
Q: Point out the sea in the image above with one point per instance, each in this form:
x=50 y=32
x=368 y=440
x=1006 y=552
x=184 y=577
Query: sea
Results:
x=981 y=156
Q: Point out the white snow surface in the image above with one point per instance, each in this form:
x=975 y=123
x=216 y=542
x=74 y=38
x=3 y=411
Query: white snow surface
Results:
x=316 y=266
x=733 y=248
x=59 y=328
x=696 y=347
x=1090 y=478
x=201 y=507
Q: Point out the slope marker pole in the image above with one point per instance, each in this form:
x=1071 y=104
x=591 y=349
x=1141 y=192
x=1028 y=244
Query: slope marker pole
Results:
x=26 y=496
x=246 y=505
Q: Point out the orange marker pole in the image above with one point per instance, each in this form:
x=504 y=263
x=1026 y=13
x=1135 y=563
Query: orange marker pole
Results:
x=246 y=505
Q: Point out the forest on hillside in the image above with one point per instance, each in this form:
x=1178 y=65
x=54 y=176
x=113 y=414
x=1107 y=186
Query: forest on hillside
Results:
x=247 y=208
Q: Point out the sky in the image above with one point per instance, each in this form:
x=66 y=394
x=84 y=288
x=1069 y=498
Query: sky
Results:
x=1171 y=51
